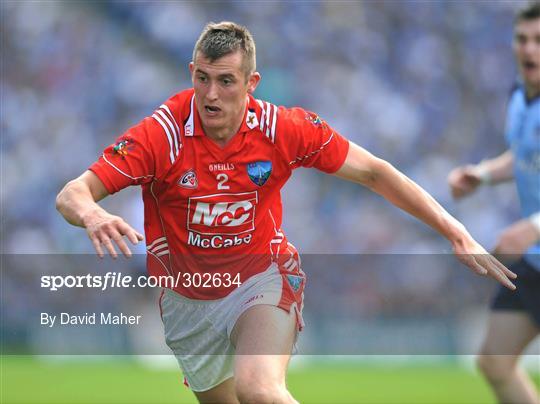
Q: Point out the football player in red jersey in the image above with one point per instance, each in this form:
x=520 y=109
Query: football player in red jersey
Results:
x=211 y=161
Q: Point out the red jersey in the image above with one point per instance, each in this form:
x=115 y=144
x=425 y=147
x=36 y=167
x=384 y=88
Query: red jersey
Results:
x=212 y=209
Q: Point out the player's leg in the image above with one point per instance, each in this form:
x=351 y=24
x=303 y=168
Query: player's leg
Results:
x=202 y=350
x=264 y=336
x=508 y=334
x=222 y=393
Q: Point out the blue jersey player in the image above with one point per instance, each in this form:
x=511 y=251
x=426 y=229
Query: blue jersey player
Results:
x=515 y=318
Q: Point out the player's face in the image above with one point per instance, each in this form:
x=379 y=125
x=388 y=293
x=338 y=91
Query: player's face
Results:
x=221 y=88
x=527 y=51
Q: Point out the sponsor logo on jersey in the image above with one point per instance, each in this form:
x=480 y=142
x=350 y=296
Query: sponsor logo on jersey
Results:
x=295 y=281
x=222 y=214
x=188 y=130
x=123 y=147
x=189 y=180
x=221 y=167
x=251 y=119
x=198 y=240
x=259 y=171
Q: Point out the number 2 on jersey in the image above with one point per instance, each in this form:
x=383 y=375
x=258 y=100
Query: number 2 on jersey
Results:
x=222 y=179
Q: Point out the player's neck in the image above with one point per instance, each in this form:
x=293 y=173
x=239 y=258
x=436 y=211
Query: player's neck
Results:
x=532 y=91
x=222 y=136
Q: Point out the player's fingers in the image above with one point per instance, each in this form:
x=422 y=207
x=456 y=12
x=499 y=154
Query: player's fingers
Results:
x=119 y=240
x=471 y=262
x=106 y=241
x=502 y=278
x=117 y=235
x=97 y=245
x=503 y=268
x=133 y=236
x=495 y=272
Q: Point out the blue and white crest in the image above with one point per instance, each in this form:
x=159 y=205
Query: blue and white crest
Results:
x=259 y=171
x=295 y=281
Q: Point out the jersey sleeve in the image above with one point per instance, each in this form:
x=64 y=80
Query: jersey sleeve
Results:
x=144 y=153
x=308 y=141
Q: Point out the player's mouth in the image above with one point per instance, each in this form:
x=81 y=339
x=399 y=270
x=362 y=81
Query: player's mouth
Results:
x=529 y=66
x=212 y=110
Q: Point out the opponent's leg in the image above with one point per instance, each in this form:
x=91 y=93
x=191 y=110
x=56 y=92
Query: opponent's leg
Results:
x=222 y=393
x=508 y=334
x=264 y=336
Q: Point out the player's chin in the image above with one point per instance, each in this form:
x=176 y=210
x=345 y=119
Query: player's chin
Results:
x=212 y=123
x=532 y=78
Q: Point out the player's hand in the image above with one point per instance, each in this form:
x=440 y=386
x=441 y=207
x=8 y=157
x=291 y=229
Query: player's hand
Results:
x=105 y=230
x=472 y=254
x=464 y=180
x=515 y=240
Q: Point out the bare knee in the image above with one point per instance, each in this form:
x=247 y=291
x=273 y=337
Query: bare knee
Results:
x=497 y=368
x=251 y=389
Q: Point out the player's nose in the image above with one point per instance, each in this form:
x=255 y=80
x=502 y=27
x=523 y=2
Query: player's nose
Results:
x=212 y=93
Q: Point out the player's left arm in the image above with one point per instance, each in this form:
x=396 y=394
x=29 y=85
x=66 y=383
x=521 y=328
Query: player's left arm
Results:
x=381 y=177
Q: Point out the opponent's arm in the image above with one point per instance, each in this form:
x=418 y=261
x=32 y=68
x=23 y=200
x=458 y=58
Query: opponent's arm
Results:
x=466 y=179
x=77 y=203
x=381 y=177
x=517 y=238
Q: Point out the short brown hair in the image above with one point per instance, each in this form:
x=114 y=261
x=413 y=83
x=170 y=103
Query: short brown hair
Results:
x=528 y=13
x=223 y=38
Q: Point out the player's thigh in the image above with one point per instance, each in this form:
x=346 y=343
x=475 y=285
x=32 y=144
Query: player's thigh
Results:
x=508 y=333
x=222 y=393
x=264 y=336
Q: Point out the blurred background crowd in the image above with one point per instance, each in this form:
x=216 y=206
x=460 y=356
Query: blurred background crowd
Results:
x=422 y=84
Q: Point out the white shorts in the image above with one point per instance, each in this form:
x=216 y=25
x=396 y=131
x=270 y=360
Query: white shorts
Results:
x=198 y=331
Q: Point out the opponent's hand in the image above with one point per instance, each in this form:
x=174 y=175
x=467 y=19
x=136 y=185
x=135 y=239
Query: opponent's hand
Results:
x=515 y=240
x=464 y=180
x=472 y=254
x=103 y=229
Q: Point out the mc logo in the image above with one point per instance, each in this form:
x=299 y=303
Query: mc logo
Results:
x=225 y=214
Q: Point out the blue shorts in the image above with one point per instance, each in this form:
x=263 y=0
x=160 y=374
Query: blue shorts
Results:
x=527 y=295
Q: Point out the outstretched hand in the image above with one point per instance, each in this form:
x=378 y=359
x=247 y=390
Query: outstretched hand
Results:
x=472 y=254
x=103 y=229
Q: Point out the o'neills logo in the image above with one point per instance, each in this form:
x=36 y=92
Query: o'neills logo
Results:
x=221 y=167
x=188 y=180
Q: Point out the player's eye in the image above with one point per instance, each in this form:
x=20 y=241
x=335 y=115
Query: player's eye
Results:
x=227 y=82
x=202 y=79
x=521 y=39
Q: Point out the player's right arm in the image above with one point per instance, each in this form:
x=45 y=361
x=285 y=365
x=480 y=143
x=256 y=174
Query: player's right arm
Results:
x=465 y=180
x=77 y=203
x=141 y=155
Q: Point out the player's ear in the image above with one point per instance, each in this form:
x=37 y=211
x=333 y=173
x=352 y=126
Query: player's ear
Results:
x=191 y=68
x=253 y=81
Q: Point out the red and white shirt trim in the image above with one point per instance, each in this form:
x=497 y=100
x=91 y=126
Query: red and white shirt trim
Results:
x=165 y=118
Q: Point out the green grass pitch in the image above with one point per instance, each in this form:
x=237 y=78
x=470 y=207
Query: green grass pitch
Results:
x=27 y=380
